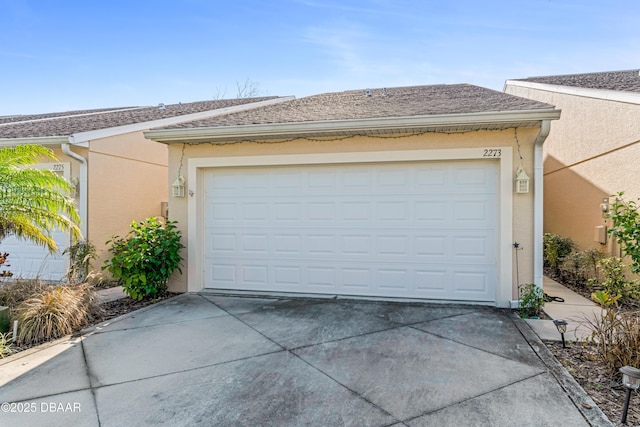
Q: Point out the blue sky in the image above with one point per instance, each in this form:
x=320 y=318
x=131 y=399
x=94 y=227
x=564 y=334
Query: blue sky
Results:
x=70 y=54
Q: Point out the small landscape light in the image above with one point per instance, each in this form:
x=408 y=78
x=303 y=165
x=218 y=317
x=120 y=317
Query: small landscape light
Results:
x=631 y=381
x=561 y=326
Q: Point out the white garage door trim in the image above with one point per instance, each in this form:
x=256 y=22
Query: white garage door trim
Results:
x=197 y=166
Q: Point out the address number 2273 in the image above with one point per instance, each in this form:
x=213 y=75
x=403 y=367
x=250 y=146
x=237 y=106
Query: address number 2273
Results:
x=492 y=152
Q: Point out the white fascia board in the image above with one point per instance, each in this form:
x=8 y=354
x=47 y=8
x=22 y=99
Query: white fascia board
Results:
x=40 y=140
x=272 y=130
x=81 y=137
x=608 y=95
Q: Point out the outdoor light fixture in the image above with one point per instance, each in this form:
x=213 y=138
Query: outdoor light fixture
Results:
x=522 y=180
x=631 y=381
x=561 y=325
x=178 y=187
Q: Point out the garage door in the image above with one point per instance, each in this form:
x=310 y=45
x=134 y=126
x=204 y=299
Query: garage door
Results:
x=30 y=261
x=409 y=230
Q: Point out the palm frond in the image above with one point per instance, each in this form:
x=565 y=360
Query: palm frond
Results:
x=34 y=203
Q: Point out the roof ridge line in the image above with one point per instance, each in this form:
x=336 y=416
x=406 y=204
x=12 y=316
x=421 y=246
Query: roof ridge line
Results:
x=44 y=119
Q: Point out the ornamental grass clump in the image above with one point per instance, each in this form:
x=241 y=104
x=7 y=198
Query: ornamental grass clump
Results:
x=14 y=292
x=615 y=334
x=5 y=345
x=54 y=312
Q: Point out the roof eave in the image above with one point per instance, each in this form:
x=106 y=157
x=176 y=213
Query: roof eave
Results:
x=585 y=92
x=48 y=141
x=331 y=127
x=83 y=138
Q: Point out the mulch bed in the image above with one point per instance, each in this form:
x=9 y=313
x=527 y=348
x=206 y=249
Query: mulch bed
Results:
x=581 y=361
x=125 y=305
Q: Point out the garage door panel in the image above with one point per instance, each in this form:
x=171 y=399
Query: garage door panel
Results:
x=393 y=280
x=392 y=246
x=431 y=282
x=472 y=284
x=356 y=211
x=321 y=213
x=424 y=230
x=321 y=277
x=253 y=214
x=288 y=277
x=357 y=179
x=255 y=275
x=472 y=249
x=221 y=214
x=475 y=177
x=322 y=244
x=431 y=213
x=255 y=244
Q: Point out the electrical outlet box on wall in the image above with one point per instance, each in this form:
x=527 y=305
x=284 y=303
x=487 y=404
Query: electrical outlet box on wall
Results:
x=600 y=234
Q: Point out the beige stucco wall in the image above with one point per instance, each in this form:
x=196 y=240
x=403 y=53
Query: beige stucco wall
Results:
x=127 y=181
x=522 y=203
x=591 y=153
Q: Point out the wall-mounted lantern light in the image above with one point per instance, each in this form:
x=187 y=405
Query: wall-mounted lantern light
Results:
x=522 y=180
x=178 y=187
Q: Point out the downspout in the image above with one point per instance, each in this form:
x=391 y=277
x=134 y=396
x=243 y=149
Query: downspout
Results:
x=83 y=202
x=538 y=199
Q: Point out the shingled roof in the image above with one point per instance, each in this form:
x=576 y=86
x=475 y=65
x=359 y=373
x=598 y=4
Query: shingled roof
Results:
x=68 y=123
x=375 y=103
x=28 y=117
x=436 y=108
x=624 y=81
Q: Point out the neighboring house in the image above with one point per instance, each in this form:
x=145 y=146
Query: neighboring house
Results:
x=592 y=152
x=402 y=192
x=120 y=176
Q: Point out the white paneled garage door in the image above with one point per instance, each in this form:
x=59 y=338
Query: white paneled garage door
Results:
x=30 y=261
x=410 y=230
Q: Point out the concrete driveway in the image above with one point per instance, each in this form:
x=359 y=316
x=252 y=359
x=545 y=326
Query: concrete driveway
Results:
x=201 y=359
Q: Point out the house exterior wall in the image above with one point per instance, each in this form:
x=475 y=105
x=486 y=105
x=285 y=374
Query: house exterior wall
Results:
x=588 y=156
x=127 y=181
x=522 y=221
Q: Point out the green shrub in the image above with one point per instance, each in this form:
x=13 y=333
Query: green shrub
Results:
x=626 y=228
x=615 y=281
x=144 y=259
x=53 y=312
x=556 y=248
x=5 y=323
x=579 y=267
x=80 y=256
x=531 y=300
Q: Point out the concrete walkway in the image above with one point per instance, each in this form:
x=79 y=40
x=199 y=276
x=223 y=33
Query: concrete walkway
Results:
x=575 y=309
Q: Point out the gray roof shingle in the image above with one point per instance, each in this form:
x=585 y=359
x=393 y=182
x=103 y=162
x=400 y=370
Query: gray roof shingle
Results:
x=624 y=81
x=28 y=117
x=65 y=124
x=389 y=102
